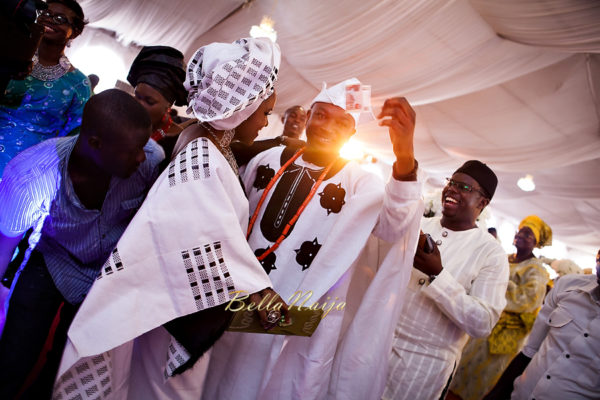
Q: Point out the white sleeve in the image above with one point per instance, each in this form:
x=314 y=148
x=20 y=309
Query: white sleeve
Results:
x=402 y=203
x=540 y=327
x=477 y=311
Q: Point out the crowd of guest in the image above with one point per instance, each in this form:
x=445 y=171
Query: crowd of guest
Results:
x=126 y=236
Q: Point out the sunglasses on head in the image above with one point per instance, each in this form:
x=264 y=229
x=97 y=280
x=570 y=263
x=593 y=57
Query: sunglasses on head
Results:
x=463 y=187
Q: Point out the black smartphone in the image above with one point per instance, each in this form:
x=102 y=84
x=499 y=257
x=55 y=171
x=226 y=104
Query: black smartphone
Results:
x=429 y=244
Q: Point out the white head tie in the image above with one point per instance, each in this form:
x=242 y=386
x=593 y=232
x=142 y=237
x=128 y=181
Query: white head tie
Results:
x=336 y=95
x=227 y=82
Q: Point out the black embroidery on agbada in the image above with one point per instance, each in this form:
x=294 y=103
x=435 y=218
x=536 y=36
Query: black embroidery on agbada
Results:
x=264 y=174
x=288 y=194
x=332 y=198
x=307 y=253
x=268 y=263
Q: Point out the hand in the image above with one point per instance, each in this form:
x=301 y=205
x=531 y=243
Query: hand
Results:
x=269 y=294
x=401 y=126
x=292 y=142
x=429 y=264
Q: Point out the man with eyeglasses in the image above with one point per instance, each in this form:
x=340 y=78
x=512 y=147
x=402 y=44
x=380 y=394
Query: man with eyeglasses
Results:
x=457 y=289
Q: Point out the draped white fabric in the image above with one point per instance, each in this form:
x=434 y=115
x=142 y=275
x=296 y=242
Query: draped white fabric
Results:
x=513 y=83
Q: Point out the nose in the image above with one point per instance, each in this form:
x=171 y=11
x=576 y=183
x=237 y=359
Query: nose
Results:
x=451 y=187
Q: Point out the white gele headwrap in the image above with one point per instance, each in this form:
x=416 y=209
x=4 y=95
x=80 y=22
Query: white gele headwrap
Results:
x=228 y=81
x=336 y=95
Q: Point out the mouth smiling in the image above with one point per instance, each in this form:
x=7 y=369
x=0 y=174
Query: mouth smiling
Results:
x=323 y=137
x=450 y=201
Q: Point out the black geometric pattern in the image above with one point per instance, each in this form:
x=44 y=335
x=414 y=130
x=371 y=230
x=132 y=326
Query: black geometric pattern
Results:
x=177 y=356
x=183 y=166
x=264 y=174
x=332 y=198
x=179 y=167
x=210 y=100
x=88 y=378
x=208 y=276
x=268 y=263
x=307 y=253
x=113 y=264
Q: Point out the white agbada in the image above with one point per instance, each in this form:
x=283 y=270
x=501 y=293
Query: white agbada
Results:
x=466 y=298
x=326 y=253
x=184 y=251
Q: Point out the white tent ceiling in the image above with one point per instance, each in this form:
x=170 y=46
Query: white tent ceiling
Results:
x=515 y=83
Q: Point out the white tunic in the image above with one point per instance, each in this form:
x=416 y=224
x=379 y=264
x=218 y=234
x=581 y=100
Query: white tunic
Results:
x=325 y=253
x=466 y=298
x=184 y=251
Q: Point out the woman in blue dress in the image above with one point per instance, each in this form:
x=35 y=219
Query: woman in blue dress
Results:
x=49 y=101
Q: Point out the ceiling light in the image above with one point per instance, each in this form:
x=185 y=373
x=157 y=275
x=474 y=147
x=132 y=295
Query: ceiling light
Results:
x=526 y=183
x=265 y=29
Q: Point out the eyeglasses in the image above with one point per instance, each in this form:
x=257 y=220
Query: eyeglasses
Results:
x=58 y=19
x=463 y=187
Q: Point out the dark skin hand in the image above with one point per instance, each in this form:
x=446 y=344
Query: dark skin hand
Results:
x=269 y=294
x=429 y=264
x=401 y=125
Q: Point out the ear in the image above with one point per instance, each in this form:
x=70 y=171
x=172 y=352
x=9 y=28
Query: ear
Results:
x=94 y=142
x=483 y=202
x=308 y=115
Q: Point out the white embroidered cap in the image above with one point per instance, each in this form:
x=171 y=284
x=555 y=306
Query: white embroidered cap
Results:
x=228 y=81
x=336 y=95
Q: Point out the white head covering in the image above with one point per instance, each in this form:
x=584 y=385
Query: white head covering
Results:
x=227 y=82
x=565 y=267
x=336 y=95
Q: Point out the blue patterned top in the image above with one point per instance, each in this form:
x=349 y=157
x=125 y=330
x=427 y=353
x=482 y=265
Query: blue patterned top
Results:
x=32 y=111
x=36 y=191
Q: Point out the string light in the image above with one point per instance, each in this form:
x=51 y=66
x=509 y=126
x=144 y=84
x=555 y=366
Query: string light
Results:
x=526 y=183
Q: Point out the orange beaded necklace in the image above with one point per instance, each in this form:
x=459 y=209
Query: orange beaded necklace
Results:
x=293 y=220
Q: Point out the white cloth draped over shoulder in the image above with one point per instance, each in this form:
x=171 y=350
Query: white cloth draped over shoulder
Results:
x=347 y=355
x=184 y=251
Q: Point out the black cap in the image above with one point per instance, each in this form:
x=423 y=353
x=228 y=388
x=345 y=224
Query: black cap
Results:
x=162 y=68
x=486 y=178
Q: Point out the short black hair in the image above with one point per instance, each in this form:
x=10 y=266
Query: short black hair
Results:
x=79 y=22
x=112 y=111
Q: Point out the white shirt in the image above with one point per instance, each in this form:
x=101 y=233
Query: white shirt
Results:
x=564 y=344
x=466 y=298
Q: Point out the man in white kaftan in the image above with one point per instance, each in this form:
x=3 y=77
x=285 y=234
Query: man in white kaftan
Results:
x=455 y=291
x=325 y=255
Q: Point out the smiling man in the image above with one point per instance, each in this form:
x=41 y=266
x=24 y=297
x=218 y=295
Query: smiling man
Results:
x=457 y=289
x=294 y=121
x=313 y=213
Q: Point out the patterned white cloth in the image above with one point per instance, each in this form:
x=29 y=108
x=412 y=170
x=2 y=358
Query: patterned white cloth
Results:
x=466 y=298
x=226 y=82
x=564 y=344
x=326 y=252
x=184 y=251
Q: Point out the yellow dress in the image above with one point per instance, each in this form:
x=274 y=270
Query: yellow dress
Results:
x=484 y=360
